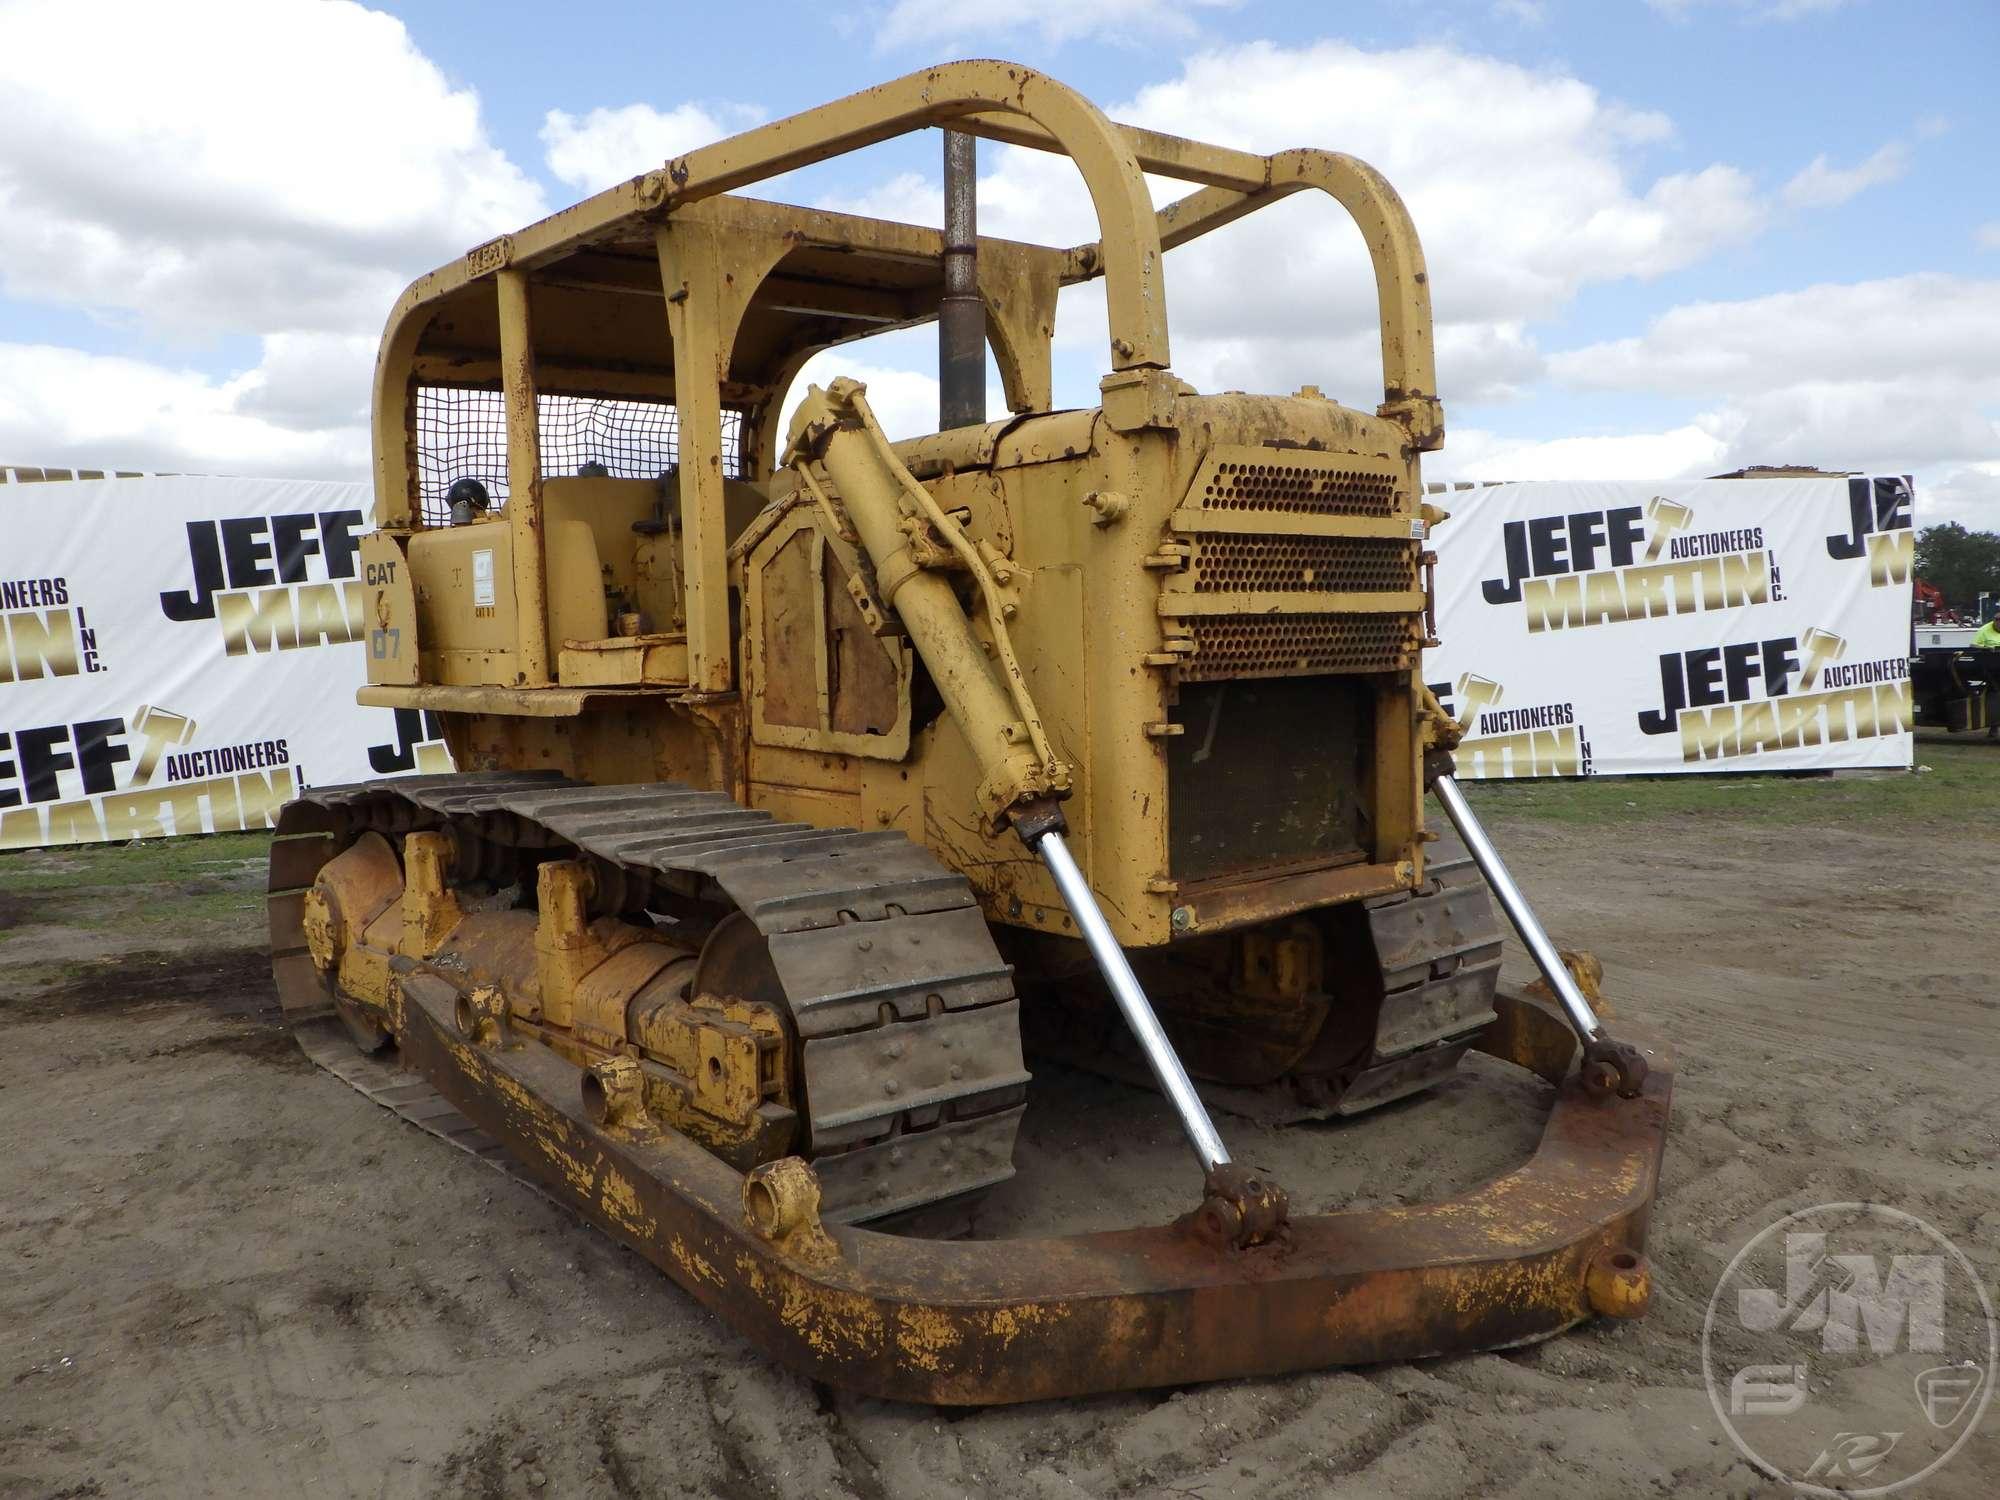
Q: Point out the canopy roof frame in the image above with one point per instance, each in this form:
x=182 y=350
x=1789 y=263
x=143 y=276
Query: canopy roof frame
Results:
x=1000 y=101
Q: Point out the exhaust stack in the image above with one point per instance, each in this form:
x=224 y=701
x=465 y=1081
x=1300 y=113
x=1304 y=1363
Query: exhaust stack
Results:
x=961 y=313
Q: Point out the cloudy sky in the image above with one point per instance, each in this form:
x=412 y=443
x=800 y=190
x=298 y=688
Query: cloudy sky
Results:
x=1666 y=237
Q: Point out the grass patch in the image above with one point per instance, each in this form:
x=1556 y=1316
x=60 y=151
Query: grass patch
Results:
x=227 y=908
x=1963 y=782
x=27 y=982
x=151 y=863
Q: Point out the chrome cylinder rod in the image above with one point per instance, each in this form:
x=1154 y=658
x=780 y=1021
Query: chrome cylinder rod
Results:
x=1138 y=1010
x=1533 y=935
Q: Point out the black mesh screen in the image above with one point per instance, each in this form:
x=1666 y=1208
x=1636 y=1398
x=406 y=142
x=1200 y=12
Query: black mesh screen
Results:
x=462 y=434
x=1269 y=773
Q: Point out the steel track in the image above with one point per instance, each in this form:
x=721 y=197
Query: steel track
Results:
x=1438 y=950
x=913 y=1085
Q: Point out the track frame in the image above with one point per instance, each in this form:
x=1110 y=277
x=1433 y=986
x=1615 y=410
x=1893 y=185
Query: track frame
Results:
x=1520 y=1258
x=971 y=1322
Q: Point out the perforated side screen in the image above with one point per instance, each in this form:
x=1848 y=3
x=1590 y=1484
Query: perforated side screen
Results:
x=1299 y=487
x=1240 y=563
x=1274 y=645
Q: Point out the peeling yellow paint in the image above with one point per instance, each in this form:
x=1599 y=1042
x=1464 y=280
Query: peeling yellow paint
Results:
x=517 y=1091
x=620 y=1202
x=840 y=1325
x=922 y=1333
x=693 y=1264
x=1009 y=1323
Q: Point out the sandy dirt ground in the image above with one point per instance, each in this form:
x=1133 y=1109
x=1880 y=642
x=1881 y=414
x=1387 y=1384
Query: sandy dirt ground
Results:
x=223 y=1272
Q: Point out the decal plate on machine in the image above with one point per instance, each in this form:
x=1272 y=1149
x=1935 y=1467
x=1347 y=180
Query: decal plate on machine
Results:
x=482 y=578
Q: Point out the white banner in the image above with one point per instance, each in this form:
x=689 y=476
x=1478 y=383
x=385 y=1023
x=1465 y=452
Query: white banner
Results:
x=1594 y=629
x=181 y=654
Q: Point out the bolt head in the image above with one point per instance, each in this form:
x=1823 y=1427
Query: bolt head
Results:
x=1183 y=918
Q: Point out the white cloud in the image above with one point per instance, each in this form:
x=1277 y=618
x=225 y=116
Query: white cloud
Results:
x=197 y=188
x=1987 y=236
x=307 y=381
x=271 y=168
x=1968 y=494
x=1759 y=10
x=898 y=369
x=62 y=406
x=1497 y=162
x=607 y=146
x=1715 y=443
x=1821 y=185
x=909 y=22
x=904 y=401
x=215 y=167
x=1681 y=452
x=1932 y=326
x=1890 y=376
x=1522 y=12
x=1496 y=360
x=1523 y=185
x=907 y=198
x=1881 y=426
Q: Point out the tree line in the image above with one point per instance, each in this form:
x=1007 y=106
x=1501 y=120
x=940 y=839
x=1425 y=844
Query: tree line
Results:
x=1958 y=563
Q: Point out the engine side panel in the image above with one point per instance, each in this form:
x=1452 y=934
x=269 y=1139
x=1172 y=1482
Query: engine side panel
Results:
x=1167 y=598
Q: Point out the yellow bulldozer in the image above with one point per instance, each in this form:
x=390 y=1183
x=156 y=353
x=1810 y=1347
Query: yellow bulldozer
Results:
x=801 y=773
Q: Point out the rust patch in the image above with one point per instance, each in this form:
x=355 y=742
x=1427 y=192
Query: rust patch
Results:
x=965 y=1322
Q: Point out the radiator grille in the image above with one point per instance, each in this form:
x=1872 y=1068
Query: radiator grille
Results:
x=1229 y=646
x=1299 y=487
x=1226 y=563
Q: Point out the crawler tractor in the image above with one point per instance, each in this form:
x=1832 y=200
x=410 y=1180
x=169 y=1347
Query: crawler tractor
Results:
x=802 y=773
